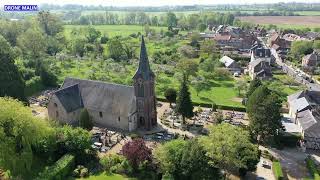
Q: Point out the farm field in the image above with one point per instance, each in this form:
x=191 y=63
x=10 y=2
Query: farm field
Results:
x=284 y=21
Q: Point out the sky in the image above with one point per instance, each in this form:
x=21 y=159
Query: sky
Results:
x=144 y=2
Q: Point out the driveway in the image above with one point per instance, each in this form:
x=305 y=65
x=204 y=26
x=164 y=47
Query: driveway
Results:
x=292 y=162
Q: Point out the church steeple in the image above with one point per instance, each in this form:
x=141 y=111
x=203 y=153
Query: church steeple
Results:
x=144 y=67
x=144 y=90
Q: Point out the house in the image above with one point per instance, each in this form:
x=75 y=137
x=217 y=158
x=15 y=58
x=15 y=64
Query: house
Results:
x=260 y=68
x=115 y=106
x=230 y=64
x=310 y=60
x=304 y=110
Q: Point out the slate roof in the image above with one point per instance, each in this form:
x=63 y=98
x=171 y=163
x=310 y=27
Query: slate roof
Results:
x=227 y=61
x=70 y=97
x=256 y=62
x=144 y=67
x=102 y=96
x=306 y=119
x=299 y=104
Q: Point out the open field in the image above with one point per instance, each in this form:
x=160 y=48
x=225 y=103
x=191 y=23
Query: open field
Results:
x=285 y=21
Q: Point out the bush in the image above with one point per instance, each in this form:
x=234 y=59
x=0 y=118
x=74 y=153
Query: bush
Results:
x=60 y=169
x=33 y=85
x=289 y=140
x=312 y=168
x=80 y=171
x=277 y=171
x=111 y=162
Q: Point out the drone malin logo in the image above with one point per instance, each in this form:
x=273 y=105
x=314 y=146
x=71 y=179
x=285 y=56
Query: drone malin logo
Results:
x=21 y=8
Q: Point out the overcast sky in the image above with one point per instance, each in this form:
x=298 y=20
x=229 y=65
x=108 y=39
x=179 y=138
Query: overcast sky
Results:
x=145 y=2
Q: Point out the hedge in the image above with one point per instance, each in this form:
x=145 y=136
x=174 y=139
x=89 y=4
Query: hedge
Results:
x=277 y=171
x=312 y=168
x=289 y=139
x=60 y=169
x=234 y=108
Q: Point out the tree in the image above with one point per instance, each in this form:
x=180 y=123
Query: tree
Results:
x=11 y=81
x=169 y=156
x=171 y=95
x=47 y=77
x=78 y=46
x=73 y=140
x=199 y=84
x=92 y=34
x=19 y=131
x=185 y=160
x=85 y=121
x=264 y=111
x=188 y=67
x=301 y=48
x=208 y=46
x=254 y=84
x=50 y=23
x=115 y=48
x=171 y=20
x=184 y=103
x=241 y=85
x=229 y=148
x=202 y=27
x=136 y=152
x=187 y=51
x=32 y=43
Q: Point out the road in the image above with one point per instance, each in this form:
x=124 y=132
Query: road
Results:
x=293 y=72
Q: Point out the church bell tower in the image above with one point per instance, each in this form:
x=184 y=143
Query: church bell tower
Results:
x=143 y=83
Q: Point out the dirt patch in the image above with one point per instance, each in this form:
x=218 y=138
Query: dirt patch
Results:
x=286 y=20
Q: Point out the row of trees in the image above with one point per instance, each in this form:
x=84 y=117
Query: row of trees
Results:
x=170 y=19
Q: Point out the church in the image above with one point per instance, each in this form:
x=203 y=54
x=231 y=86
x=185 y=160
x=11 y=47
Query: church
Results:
x=114 y=106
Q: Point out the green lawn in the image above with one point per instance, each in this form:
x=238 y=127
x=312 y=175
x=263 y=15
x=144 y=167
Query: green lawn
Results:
x=221 y=92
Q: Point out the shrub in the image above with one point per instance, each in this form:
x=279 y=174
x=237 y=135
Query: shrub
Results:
x=60 y=169
x=277 y=171
x=312 y=168
x=112 y=162
x=80 y=171
x=289 y=140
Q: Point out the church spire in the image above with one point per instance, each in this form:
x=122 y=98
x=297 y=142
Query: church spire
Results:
x=144 y=67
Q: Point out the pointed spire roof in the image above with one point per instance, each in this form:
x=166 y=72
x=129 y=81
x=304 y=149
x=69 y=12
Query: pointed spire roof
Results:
x=144 y=67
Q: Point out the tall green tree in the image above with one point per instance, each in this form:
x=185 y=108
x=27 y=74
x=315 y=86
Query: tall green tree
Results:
x=85 y=121
x=11 y=81
x=115 y=48
x=184 y=103
x=171 y=20
x=171 y=95
x=19 y=130
x=254 y=84
x=50 y=23
x=182 y=159
x=32 y=43
x=229 y=148
x=92 y=34
x=264 y=113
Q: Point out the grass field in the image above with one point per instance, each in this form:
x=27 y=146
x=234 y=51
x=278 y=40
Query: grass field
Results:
x=285 y=21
